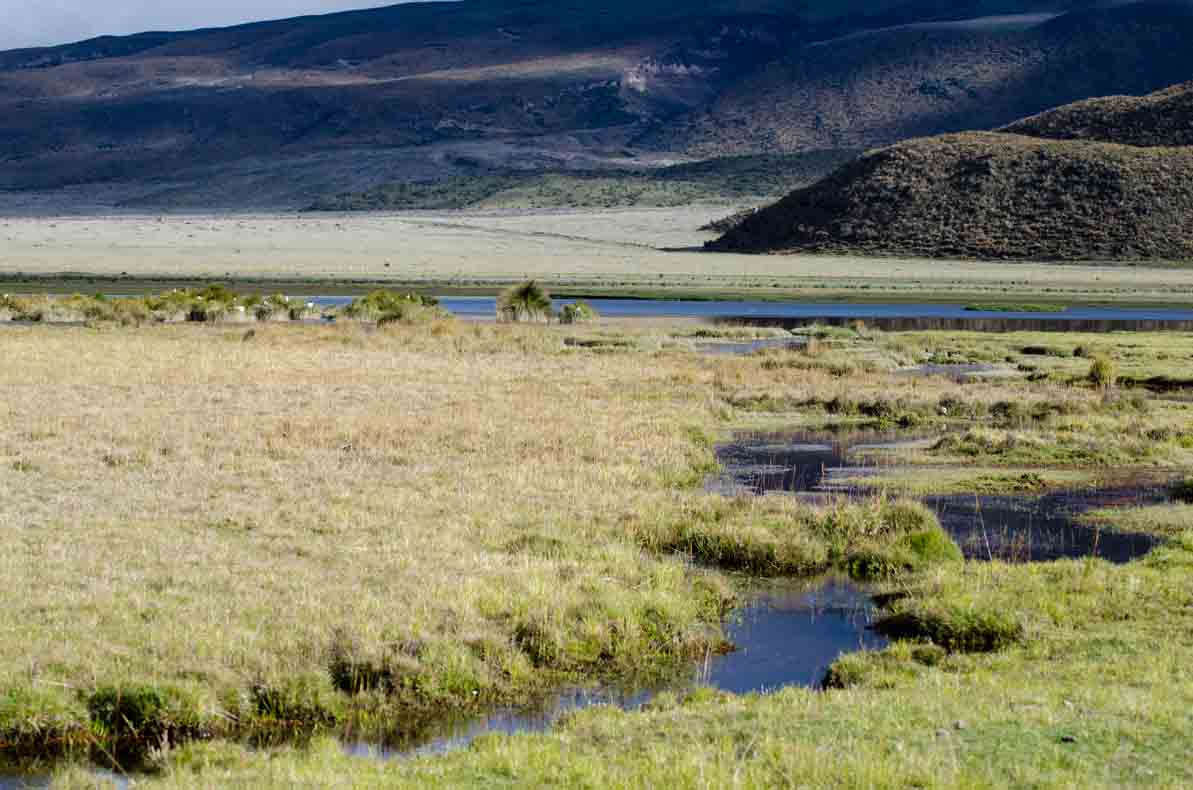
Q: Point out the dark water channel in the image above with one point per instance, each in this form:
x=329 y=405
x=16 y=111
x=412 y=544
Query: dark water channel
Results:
x=786 y=635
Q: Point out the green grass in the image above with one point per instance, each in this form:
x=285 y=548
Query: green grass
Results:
x=1164 y=520
x=1066 y=674
x=386 y=307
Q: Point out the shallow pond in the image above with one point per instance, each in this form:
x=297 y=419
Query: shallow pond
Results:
x=1017 y=528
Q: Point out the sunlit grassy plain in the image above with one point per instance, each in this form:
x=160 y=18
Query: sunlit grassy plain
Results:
x=341 y=524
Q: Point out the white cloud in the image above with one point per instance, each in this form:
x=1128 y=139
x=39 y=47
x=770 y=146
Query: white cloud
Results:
x=27 y=23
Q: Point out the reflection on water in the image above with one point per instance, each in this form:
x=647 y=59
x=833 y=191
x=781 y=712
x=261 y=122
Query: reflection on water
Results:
x=15 y=782
x=101 y=777
x=1038 y=529
x=786 y=462
x=790 y=636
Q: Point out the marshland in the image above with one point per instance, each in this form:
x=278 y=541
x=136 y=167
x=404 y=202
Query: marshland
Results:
x=731 y=393
x=251 y=541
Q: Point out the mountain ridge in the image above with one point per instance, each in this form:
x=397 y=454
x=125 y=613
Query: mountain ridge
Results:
x=437 y=90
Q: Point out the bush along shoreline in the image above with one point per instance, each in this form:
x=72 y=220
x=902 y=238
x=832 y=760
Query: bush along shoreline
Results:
x=215 y=304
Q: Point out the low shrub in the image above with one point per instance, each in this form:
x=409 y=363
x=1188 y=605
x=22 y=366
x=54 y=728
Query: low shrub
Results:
x=578 y=313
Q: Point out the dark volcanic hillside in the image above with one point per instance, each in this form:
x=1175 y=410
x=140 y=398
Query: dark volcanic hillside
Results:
x=1004 y=195
x=282 y=113
x=872 y=89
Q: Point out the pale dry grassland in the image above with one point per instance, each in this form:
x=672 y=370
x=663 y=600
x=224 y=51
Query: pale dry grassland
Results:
x=618 y=249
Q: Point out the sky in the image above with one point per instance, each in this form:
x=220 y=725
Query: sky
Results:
x=30 y=23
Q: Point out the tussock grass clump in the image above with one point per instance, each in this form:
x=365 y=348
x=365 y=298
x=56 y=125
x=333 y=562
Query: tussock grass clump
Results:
x=1103 y=372
x=279 y=307
x=774 y=537
x=526 y=303
x=38 y=722
x=1166 y=520
x=213 y=303
x=75 y=308
x=954 y=628
x=303 y=700
x=732 y=332
x=10 y=307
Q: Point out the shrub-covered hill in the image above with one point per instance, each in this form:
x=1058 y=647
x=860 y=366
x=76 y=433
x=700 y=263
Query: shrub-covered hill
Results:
x=989 y=195
x=1161 y=119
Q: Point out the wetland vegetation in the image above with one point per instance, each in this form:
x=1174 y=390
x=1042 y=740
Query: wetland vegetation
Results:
x=223 y=548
